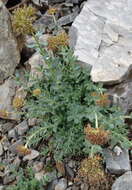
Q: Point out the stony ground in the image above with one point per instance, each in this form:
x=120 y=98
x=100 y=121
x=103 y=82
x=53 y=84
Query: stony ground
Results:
x=108 y=50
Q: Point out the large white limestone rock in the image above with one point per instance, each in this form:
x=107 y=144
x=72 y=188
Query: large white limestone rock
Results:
x=101 y=36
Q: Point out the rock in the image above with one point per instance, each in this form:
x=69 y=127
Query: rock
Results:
x=122 y=95
x=8 y=179
x=72 y=164
x=12 y=133
x=40 y=3
x=61 y=185
x=69 y=172
x=46 y=21
x=101 y=38
x=14 y=146
x=30 y=42
x=1 y=149
x=22 y=128
x=32 y=122
x=39 y=176
x=84 y=186
x=2 y=187
x=7 y=91
x=67 y=19
x=38 y=166
x=117 y=164
x=35 y=62
x=55 y=1
x=124 y=182
x=34 y=154
x=52 y=184
x=9 y=53
x=17 y=162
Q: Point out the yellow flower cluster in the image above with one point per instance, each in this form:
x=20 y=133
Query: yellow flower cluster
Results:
x=55 y=42
x=91 y=170
x=102 y=99
x=96 y=135
x=52 y=11
x=22 y=20
x=22 y=150
x=4 y=114
x=37 y=92
x=18 y=102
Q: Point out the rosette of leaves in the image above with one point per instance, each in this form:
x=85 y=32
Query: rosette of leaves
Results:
x=65 y=105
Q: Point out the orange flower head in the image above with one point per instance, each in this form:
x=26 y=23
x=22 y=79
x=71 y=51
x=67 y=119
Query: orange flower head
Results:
x=102 y=99
x=52 y=11
x=96 y=135
x=22 y=150
x=55 y=42
x=37 y=92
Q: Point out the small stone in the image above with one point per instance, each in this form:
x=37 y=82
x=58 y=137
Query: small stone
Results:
x=1 y=149
x=38 y=166
x=39 y=176
x=8 y=179
x=61 y=185
x=84 y=186
x=71 y=163
x=74 y=187
x=17 y=162
x=12 y=133
x=22 y=128
x=13 y=147
x=2 y=187
x=34 y=154
x=69 y=172
x=32 y=122
x=124 y=182
x=117 y=164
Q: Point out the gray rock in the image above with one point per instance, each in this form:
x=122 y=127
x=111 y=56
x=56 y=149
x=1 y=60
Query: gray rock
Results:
x=14 y=146
x=35 y=62
x=1 y=149
x=17 y=162
x=8 y=179
x=34 y=154
x=101 y=37
x=32 y=121
x=39 y=175
x=61 y=185
x=38 y=166
x=84 y=186
x=7 y=92
x=9 y=53
x=124 y=182
x=12 y=133
x=122 y=95
x=67 y=19
x=22 y=128
x=2 y=187
x=44 y=22
x=117 y=164
x=70 y=172
x=40 y=2
x=51 y=185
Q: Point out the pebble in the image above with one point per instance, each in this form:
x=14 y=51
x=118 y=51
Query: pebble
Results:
x=61 y=185
x=38 y=166
x=1 y=149
x=34 y=154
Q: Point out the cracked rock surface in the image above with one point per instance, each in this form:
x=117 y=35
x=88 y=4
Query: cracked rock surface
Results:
x=102 y=37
